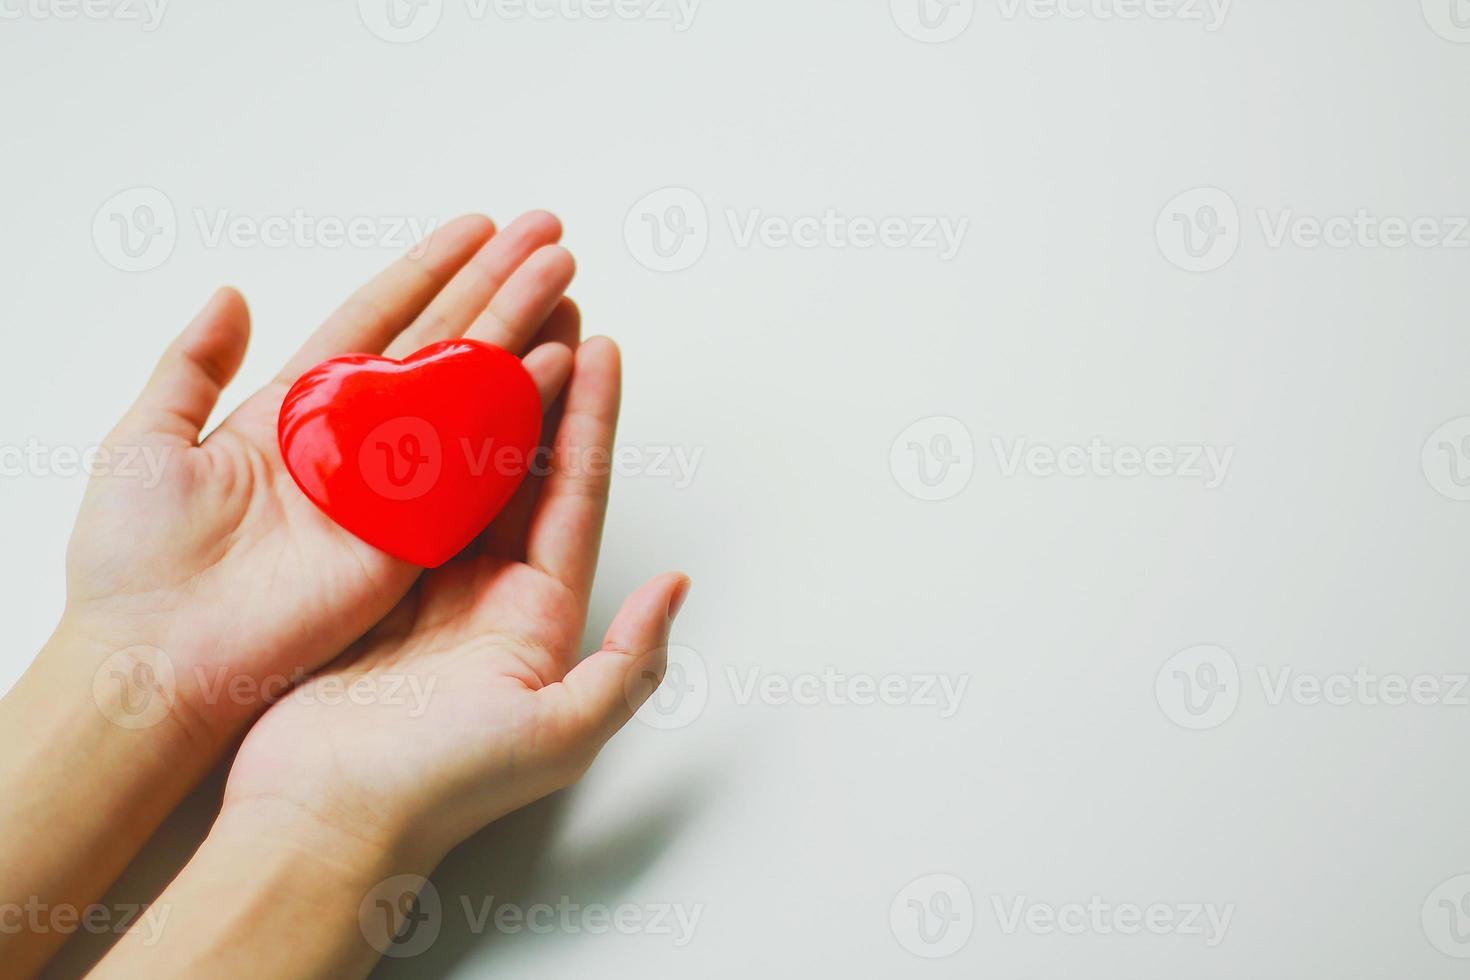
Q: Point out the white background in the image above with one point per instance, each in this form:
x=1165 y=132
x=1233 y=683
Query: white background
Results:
x=1333 y=543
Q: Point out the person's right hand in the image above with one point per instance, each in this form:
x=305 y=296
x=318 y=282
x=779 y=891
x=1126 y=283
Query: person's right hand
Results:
x=218 y=563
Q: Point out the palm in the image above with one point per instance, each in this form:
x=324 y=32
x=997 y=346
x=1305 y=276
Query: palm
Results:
x=225 y=513
x=224 y=564
x=448 y=677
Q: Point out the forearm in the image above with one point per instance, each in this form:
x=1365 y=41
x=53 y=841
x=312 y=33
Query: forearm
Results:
x=274 y=892
x=80 y=792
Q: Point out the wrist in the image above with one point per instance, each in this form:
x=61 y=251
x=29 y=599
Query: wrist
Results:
x=276 y=889
x=115 y=683
x=82 y=792
x=358 y=845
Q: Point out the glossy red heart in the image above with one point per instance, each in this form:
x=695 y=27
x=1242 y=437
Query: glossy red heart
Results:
x=415 y=457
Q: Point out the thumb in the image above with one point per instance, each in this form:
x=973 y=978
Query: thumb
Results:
x=193 y=371
x=602 y=692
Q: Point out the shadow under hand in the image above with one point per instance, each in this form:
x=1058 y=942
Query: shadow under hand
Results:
x=161 y=859
x=511 y=863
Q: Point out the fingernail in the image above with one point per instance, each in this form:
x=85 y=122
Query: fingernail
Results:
x=680 y=594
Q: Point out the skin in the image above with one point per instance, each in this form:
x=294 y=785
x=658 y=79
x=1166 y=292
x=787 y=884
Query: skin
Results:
x=225 y=571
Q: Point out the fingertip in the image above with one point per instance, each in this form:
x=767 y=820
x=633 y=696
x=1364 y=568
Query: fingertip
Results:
x=542 y=223
x=220 y=332
x=600 y=349
x=474 y=225
x=549 y=364
x=457 y=238
x=556 y=264
x=682 y=584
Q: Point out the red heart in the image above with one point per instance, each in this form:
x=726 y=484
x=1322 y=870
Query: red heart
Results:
x=415 y=457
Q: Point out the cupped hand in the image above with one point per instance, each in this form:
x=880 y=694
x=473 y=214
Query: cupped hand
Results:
x=216 y=561
x=467 y=701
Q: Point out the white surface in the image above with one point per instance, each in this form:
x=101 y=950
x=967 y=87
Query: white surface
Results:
x=1058 y=600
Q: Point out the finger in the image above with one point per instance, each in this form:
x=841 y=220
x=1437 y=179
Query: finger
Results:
x=600 y=694
x=549 y=365
x=566 y=524
x=526 y=300
x=187 y=383
x=473 y=287
x=506 y=536
x=377 y=312
x=564 y=326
